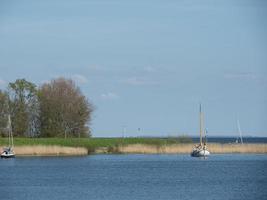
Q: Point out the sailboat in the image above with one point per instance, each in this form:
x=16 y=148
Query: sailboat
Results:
x=8 y=151
x=240 y=139
x=201 y=150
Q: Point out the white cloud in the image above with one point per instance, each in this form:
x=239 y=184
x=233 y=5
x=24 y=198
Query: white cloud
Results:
x=79 y=78
x=2 y=83
x=44 y=82
x=109 y=96
x=140 y=81
x=246 y=76
x=95 y=67
x=149 y=69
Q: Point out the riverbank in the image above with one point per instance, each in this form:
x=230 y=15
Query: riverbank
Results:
x=92 y=145
x=187 y=148
x=81 y=146
x=53 y=150
x=50 y=150
x=85 y=146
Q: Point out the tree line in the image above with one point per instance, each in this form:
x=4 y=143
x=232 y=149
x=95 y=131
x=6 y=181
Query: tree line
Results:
x=54 y=109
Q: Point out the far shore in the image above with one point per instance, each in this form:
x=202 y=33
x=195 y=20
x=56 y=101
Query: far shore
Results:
x=214 y=148
x=49 y=150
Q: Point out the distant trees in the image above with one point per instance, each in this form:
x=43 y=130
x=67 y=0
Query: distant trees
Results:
x=56 y=109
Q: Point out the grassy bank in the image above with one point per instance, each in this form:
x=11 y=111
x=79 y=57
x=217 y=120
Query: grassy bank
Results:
x=94 y=143
x=187 y=148
x=55 y=146
x=42 y=150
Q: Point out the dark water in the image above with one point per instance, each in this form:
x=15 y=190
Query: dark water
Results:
x=135 y=177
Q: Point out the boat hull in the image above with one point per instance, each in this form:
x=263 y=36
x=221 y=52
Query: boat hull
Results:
x=200 y=153
x=3 y=155
x=7 y=153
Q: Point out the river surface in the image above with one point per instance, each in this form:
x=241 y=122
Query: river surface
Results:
x=135 y=177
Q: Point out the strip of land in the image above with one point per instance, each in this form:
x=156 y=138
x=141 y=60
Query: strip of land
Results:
x=50 y=150
x=85 y=146
x=187 y=148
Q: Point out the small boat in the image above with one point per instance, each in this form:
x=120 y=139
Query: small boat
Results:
x=239 y=140
x=201 y=150
x=8 y=151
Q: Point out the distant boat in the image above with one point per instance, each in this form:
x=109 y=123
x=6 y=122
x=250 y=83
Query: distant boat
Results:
x=239 y=139
x=201 y=150
x=8 y=151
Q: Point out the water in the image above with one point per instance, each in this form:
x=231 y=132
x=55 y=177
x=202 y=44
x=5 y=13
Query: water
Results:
x=132 y=177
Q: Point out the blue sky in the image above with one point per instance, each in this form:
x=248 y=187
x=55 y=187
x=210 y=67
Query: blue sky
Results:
x=146 y=64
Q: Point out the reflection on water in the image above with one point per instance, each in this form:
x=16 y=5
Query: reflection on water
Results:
x=232 y=176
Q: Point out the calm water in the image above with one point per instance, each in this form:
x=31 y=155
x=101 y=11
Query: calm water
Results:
x=133 y=177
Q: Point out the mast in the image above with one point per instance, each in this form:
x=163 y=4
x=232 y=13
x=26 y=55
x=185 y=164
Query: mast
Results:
x=8 y=129
x=240 y=133
x=10 y=136
x=200 y=123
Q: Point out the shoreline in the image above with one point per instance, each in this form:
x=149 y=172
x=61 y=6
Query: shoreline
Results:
x=49 y=150
x=214 y=148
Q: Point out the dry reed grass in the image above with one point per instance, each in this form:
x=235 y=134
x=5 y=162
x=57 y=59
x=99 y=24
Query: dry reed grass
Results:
x=187 y=148
x=41 y=150
x=238 y=148
x=53 y=150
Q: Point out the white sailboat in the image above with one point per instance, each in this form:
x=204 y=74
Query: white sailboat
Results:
x=201 y=150
x=240 y=139
x=8 y=151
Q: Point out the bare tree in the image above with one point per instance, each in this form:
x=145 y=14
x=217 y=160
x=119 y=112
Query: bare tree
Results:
x=65 y=111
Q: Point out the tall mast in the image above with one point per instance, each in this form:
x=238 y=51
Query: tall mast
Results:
x=200 y=121
x=10 y=136
x=240 y=133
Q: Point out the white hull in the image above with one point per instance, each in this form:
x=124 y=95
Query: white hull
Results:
x=7 y=155
x=200 y=153
x=204 y=153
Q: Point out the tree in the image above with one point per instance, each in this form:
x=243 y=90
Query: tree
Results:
x=3 y=111
x=65 y=111
x=23 y=107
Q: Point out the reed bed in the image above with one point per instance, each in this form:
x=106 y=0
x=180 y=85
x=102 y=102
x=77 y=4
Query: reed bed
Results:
x=238 y=148
x=83 y=146
x=154 y=149
x=92 y=143
x=187 y=148
x=41 y=150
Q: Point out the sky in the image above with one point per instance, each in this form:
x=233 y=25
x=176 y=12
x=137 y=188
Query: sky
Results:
x=146 y=64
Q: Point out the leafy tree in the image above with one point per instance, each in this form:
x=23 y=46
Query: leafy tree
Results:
x=3 y=111
x=23 y=107
x=65 y=111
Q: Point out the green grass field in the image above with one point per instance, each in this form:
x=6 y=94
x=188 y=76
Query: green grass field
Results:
x=92 y=143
